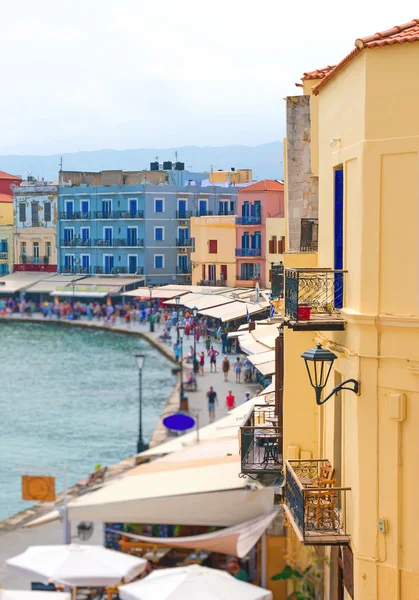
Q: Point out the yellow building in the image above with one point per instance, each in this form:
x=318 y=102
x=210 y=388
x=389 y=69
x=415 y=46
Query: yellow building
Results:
x=232 y=176
x=363 y=299
x=213 y=258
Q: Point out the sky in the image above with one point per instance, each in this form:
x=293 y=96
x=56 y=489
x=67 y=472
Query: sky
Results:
x=95 y=74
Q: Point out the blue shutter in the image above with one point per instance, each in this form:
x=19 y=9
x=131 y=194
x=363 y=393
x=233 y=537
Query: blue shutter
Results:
x=338 y=235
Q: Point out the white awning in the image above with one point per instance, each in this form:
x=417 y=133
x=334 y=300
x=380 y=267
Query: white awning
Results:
x=233 y=310
x=207 y=301
x=207 y=495
x=157 y=292
x=35 y=595
x=249 y=345
x=267 y=368
x=65 y=293
x=185 y=298
x=236 y=541
x=262 y=357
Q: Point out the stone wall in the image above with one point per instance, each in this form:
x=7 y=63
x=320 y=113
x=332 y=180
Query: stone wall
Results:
x=302 y=186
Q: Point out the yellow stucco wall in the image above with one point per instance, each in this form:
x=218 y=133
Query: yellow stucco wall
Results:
x=222 y=229
x=6 y=213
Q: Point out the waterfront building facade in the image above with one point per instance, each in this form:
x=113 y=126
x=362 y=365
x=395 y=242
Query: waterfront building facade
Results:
x=213 y=252
x=137 y=229
x=6 y=249
x=358 y=537
x=256 y=203
x=7 y=184
x=35 y=222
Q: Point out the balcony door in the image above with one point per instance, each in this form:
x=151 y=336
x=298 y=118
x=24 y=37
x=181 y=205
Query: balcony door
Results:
x=183 y=234
x=85 y=262
x=132 y=263
x=203 y=208
x=108 y=263
x=106 y=208
x=182 y=207
x=69 y=209
x=84 y=206
x=85 y=235
x=183 y=263
x=69 y=261
x=107 y=234
x=212 y=272
x=338 y=237
x=132 y=208
x=132 y=237
x=68 y=235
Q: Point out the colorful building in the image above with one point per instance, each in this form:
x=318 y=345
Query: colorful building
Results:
x=35 y=227
x=138 y=229
x=7 y=185
x=6 y=249
x=350 y=463
x=213 y=255
x=255 y=204
x=233 y=177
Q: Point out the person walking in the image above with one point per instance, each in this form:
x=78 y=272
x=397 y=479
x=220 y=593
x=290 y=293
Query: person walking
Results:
x=213 y=359
x=230 y=401
x=201 y=362
x=208 y=343
x=224 y=341
x=225 y=365
x=212 y=399
x=238 y=365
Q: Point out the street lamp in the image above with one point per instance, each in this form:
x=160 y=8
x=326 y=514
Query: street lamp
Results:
x=181 y=332
x=150 y=289
x=177 y=300
x=319 y=362
x=141 y=446
x=195 y=362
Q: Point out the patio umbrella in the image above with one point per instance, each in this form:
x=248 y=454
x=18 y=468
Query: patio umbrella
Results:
x=77 y=566
x=26 y=595
x=190 y=583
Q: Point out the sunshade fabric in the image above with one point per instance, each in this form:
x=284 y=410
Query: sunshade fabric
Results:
x=262 y=357
x=235 y=541
x=267 y=368
x=233 y=310
x=77 y=565
x=35 y=595
x=192 y=583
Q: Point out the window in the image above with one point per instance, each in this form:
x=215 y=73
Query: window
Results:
x=159 y=234
x=36 y=249
x=203 y=208
x=213 y=246
x=132 y=236
x=85 y=262
x=22 y=212
x=203 y=273
x=223 y=274
x=3 y=245
x=309 y=235
x=158 y=261
x=85 y=235
x=273 y=245
x=47 y=212
x=35 y=213
x=48 y=249
x=212 y=273
x=23 y=248
x=159 y=205
x=84 y=206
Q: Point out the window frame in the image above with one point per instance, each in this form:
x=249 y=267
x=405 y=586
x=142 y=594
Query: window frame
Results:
x=50 y=212
x=162 y=256
x=163 y=201
x=163 y=233
x=216 y=246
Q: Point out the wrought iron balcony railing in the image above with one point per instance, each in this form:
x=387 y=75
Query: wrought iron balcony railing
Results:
x=213 y=282
x=248 y=277
x=248 y=252
x=118 y=214
x=226 y=213
x=183 y=214
x=76 y=242
x=315 y=506
x=204 y=213
x=119 y=242
x=261 y=441
x=183 y=271
x=72 y=216
x=188 y=243
x=248 y=220
x=31 y=260
x=94 y=270
x=319 y=291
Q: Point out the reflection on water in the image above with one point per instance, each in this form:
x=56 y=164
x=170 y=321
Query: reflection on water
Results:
x=69 y=398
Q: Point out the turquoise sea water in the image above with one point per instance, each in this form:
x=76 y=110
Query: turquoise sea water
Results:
x=69 y=398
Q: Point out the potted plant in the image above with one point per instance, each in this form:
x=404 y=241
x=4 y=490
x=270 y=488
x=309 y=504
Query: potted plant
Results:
x=304 y=312
x=23 y=257
x=46 y=260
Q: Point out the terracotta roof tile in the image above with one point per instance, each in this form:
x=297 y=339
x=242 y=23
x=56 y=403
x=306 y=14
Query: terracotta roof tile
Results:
x=267 y=185
x=4 y=175
x=6 y=198
x=399 y=34
x=318 y=73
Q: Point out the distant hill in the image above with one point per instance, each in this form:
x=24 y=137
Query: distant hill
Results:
x=264 y=159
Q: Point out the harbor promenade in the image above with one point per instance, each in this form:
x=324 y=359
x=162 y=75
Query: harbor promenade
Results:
x=15 y=539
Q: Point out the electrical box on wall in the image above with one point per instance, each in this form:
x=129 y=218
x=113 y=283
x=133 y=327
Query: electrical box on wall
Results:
x=397 y=407
x=382 y=525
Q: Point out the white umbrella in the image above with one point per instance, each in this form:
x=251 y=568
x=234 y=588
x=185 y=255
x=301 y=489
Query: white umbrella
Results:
x=190 y=583
x=36 y=595
x=77 y=566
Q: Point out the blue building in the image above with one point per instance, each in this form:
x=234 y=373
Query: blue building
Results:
x=136 y=229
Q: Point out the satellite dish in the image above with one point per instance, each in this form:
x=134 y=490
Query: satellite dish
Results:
x=85 y=530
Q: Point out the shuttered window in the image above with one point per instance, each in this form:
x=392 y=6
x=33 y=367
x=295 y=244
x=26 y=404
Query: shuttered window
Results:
x=47 y=212
x=22 y=212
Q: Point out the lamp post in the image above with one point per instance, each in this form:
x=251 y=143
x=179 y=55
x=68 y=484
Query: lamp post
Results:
x=150 y=289
x=319 y=362
x=177 y=300
x=141 y=446
x=195 y=362
x=181 y=331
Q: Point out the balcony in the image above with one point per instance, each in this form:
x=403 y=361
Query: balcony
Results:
x=119 y=243
x=248 y=277
x=248 y=252
x=183 y=214
x=118 y=214
x=204 y=213
x=4 y=255
x=261 y=442
x=76 y=216
x=309 y=246
x=314 y=298
x=313 y=504
x=183 y=271
x=91 y=270
x=213 y=282
x=248 y=220
x=189 y=243
x=31 y=260
x=76 y=243
x=226 y=213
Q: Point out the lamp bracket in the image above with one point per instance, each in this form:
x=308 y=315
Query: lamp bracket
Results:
x=355 y=388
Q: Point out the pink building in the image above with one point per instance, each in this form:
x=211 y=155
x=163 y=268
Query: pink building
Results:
x=255 y=203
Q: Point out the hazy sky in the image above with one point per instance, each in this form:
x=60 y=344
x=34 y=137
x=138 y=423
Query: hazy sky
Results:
x=92 y=74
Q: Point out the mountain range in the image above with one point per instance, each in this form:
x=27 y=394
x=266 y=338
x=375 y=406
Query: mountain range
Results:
x=265 y=160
